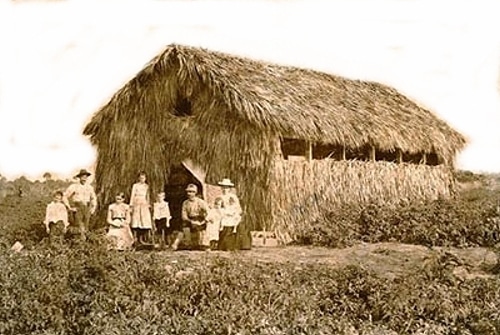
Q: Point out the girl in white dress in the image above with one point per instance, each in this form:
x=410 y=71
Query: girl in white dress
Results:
x=141 y=208
x=213 y=220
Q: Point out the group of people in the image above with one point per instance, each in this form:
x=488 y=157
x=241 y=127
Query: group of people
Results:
x=79 y=199
x=204 y=226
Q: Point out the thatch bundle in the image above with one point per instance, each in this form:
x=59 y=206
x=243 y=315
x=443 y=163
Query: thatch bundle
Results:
x=227 y=113
x=304 y=191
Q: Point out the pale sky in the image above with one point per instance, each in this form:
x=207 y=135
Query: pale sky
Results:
x=62 y=60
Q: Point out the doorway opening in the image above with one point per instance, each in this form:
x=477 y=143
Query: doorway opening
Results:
x=175 y=192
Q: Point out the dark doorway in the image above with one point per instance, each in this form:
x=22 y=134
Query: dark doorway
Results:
x=175 y=192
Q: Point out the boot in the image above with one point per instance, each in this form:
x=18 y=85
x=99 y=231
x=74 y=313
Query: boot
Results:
x=177 y=241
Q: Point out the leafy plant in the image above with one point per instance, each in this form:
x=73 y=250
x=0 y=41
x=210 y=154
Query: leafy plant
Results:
x=471 y=219
x=85 y=289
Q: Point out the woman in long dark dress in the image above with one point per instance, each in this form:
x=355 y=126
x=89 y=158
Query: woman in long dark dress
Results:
x=235 y=233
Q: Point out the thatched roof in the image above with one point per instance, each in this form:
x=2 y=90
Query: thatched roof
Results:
x=289 y=101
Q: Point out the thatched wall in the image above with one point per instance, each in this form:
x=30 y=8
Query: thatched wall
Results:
x=238 y=108
x=304 y=190
x=139 y=131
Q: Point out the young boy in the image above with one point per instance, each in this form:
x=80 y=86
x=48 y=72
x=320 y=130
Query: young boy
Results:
x=161 y=216
x=56 y=218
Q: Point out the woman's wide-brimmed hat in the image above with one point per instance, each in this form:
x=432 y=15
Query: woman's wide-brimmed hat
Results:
x=83 y=172
x=226 y=182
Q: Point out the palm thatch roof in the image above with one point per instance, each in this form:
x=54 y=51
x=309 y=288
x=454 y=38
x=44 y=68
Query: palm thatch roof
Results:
x=288 y=101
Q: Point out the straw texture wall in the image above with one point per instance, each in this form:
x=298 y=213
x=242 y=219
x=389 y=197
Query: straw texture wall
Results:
x=303 y=191
x=238 y=108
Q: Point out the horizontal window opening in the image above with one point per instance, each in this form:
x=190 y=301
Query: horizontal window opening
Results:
x=293 y=148
x=327 y=151
x=296 y=149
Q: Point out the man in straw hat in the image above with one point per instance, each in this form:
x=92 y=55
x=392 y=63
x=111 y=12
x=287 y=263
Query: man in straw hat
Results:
x=83 y=201
x=193 y=214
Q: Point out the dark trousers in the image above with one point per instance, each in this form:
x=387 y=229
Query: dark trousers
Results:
x=56 y=233
x=214 y=245
x=192 y=233
x=194 y=241
x=162 y=230
x=82 y=218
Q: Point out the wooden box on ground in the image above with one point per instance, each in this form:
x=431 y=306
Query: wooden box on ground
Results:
x=264 y=239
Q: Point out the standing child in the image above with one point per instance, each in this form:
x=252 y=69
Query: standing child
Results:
x=213 y=220
x=161 y=216
x=56 y=219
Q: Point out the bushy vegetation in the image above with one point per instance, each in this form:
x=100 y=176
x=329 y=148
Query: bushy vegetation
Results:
x=471 y=219
x=84 y=289
x=22 y=209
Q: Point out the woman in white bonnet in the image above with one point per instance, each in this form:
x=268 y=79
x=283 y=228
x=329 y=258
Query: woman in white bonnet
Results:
x=234 y=232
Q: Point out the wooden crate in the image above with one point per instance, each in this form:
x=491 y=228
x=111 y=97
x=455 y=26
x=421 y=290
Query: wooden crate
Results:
x=264 y=239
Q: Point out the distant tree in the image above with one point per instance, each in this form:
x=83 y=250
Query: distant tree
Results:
x=47 y=176
x=22 y=185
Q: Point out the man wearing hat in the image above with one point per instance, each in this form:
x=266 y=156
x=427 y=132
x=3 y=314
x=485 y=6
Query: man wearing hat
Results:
x=193 y=214
x=83 y=201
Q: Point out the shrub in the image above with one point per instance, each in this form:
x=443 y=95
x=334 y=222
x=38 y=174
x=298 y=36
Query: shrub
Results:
x=463 y=176
x=471 y=219
x=336 y=229
x=21 y=216
x=84 y=289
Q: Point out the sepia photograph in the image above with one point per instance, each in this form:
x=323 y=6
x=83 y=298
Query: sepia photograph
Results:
x=237 y=167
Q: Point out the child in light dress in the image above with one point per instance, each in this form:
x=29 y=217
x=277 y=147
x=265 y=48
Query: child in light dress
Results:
x=213 y=221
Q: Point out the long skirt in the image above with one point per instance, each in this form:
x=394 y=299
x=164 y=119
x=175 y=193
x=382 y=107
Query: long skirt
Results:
x=227 y=239
x=243 y=236
x=121 y=238
x=141 y=217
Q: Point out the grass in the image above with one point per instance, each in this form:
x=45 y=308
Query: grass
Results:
x=367 y=288
x=84 y=289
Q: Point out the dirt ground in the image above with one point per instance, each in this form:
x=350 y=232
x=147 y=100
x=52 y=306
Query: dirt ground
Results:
x=386 y=259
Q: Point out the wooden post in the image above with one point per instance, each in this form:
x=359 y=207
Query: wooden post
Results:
x=309 y=155
x=399 y=154
x=277 y=148
x=424 y=159
x=372 y=153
